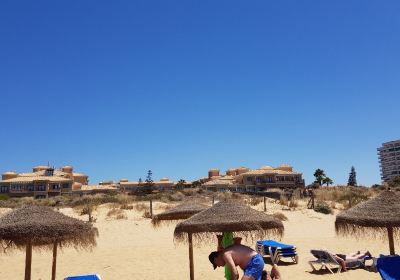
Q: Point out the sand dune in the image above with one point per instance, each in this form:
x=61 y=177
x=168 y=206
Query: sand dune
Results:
x=133 y=249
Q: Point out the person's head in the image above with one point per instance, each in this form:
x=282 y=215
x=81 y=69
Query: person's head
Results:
x=216 y=259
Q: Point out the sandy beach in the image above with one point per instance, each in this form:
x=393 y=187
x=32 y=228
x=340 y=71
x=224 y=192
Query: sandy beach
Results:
x=132 y=249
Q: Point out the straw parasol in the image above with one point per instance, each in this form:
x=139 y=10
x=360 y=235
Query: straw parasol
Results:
x=43 y=227
x=180 y=212
x=226 y=216
x=379 y=217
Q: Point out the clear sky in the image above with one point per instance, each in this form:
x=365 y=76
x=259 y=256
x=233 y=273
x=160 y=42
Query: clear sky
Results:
x=115 y=88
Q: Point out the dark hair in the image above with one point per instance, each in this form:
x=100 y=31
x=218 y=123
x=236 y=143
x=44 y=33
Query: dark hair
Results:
x=212 y=257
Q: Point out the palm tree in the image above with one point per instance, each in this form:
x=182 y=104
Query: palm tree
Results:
x=319 y=175
x=328 y=181
x=181 y=184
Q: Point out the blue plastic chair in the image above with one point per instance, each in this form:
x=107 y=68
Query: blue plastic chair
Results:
x=389 y=267
x=276 y=250
x=84 y=277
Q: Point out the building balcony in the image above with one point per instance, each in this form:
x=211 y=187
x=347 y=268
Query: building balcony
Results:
x=21 y=191
x=40 y=193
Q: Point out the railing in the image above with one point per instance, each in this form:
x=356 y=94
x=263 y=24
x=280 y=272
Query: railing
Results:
x=54 y=190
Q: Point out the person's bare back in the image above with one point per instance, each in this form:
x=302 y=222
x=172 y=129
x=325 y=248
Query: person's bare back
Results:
x=240 y=254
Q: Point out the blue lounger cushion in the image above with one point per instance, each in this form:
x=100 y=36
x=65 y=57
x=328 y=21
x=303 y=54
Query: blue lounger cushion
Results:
x=285 y=249
x=273 y=243
x=84 y=277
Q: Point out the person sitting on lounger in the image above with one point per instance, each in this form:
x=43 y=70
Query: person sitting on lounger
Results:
x=341 y=258
x=247 y=259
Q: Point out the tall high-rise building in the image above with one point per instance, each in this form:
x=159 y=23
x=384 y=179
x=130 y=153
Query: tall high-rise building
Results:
x=389 y=158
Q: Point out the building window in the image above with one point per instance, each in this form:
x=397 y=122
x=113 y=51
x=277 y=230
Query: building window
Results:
x=250 y=179
x=65 y=186
x=30 y=188
x=55 y=186
x=41 y=188
x=16 y=188
x=4 y=189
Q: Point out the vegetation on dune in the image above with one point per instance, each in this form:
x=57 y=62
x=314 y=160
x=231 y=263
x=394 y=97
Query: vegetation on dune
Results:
x=254 y=200
x=280 y=216
x=395 y=183
x=117 y=214
x=323 y=208
x=348 y=196
x=336 y=197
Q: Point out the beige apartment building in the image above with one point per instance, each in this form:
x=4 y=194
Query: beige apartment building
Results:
x=42 y=182
x=245 y=180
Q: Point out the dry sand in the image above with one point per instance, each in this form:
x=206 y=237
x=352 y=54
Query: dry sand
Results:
x=133 y=249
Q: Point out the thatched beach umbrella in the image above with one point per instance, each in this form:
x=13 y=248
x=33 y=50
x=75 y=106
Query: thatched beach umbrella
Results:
x=180 y=212
x=43 y=227
x=226 y=216
x=379 y=216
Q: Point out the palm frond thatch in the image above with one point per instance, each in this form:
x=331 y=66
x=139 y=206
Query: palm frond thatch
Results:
x=180 y=212
x=373 y=216
x=229 y=216
x=42 y=226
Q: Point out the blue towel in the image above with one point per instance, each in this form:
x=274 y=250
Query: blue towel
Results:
x=84 y=277
x=389 y=267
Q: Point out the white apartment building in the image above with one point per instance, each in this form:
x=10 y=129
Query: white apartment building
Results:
x=389 y=159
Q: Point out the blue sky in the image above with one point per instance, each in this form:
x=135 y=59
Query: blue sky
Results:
x=115 y=88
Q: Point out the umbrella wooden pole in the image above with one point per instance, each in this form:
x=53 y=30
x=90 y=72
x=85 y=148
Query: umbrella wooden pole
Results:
x=28 y=261
x=191 y=256
x=53 y=268
x=391 y=242
x=151 y=208
x=213 y=201
x=265 y=204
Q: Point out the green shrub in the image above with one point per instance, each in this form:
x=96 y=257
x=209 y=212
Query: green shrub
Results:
x=293 y=203
x=280 y=216
x=146 y=215
x=178 y=196
x=254 y=201
x=126 y=207
x=323 y=208
x=141 y=207
x=117 y=214
x=121 y=216
x=283 y=200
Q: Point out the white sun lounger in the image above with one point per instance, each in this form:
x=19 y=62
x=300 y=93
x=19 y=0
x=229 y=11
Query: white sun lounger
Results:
x=327 y=261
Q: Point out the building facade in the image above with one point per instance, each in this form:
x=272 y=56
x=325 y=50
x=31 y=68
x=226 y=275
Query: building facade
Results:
x=245 y=180
x=42 y=182
x=389 y=160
